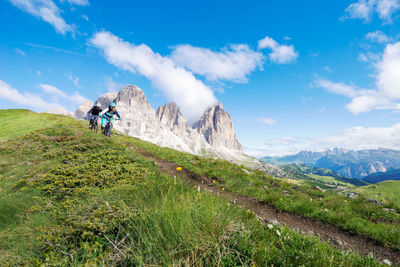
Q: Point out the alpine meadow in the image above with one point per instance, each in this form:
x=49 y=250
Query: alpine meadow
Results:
x=212 y=133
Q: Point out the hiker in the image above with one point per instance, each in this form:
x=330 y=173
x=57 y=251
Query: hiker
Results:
x=94 y=113
x=108 y=115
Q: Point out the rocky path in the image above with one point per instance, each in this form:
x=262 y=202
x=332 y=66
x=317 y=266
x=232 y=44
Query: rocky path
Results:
x=268 y=214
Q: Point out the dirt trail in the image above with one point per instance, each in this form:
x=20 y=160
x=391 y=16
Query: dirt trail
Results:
x=267 y=213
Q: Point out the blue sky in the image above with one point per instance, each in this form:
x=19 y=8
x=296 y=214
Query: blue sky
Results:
x=293 y=74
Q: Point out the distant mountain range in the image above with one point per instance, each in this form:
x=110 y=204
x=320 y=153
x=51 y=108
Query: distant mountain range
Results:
x=348 y=163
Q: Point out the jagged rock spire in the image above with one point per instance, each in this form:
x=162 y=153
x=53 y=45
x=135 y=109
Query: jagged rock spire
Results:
x=133 y=96
x=217 y=127
x=170 y=115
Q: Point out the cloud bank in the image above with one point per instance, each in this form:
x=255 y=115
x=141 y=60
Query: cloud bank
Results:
x=355 y=138
x=365 y=9
x=39 y=102
x=176 y=82
x=386 y=96
x=232 y=64
x=7 y=92
x=74 y=98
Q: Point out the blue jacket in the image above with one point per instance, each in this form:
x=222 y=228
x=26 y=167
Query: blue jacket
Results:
x=110 y=114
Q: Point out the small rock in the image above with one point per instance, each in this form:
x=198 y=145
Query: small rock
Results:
x=375 y=201
x=338 y=242
x=351 y=195
x=273 y=221
x=387 y=262
x=317 y=188
x=246 y=171
x=270 y=226
x=285 y=192
x=388 y=210
x=265 y=187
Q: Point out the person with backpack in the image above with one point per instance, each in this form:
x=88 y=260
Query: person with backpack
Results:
x=108 y=115
x=93 y=114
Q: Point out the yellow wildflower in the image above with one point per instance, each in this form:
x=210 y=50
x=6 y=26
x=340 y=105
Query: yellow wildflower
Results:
x=178 y=169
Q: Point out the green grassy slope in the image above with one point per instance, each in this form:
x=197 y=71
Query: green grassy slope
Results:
x=322 y=177
x=70 y=197
x=387 y=191
x=354 y=215
x=16 y=122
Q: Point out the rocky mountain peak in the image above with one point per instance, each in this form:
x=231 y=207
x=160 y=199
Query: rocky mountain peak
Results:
x=170 y=115
x=104 y=100
x=217 y=127
x=213 y=133
x=82 y=110
x=133 y=96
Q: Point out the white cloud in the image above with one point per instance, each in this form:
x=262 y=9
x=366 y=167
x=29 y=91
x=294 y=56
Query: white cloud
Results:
x=75 y=80
x=387 y=92
x=79 y=2
x=233 y=63
x=75 y=97
x=45 y=9
x=368 y=57
x=267 y=120
x=177 y=83
x=388 y=79
x=25 y=99
x=386 y=8
x=337 y=88
x=85 y=17
x=360 y=10
x=280 y=54
x=354 y=138
x=19 y=51
x=364 y=9
x=378 y=36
